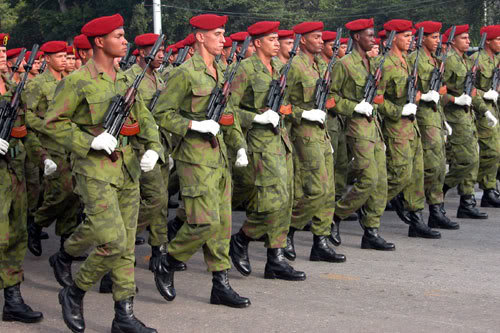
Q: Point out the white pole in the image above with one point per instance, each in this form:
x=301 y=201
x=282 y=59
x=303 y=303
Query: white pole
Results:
x=157 y=16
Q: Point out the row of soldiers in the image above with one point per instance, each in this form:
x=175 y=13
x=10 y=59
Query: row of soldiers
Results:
x=286 y=162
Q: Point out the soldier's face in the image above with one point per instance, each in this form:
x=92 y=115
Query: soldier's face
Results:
x=21 y=67
x=212 y=40
x=85 y=55
x=3 y=59
x=402 y=40
x=36 y=66
x=374 y=51
x=70 y=63
x=313 y=42
x=268 y=45
x=286 y=46
x=56 y=61
x=328 y=49
x=365 y=39
x=113 y=44
x=494 y=44
x=156 y=63
x=342 y=50
x=431 y=41
x=461 y=42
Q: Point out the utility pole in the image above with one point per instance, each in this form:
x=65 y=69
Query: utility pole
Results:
x=157 y=16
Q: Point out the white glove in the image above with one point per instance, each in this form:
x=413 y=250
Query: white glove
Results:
x=409 y=109
x=170 y=163
x=463 y=100
x=431 y=96
x=364 y=108
x=448 y=128
x=241 y=158
x=492 y=121
x=4 y=146
x=491 y=95
x=268 y=117
x=50 y=167
x=314 y=115
x=205 y=126
x=104 y=141
x=148 y=160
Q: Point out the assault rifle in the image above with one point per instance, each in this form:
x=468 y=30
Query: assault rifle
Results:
x=323 y=84
x=413 y=78
x=181 y=56
x=437 y=74
x=43 y=66
x=121 y=105
x=219 y=96
x=18 y=63
x=439 y=49
x=350 y=44
x=470 y=79
x=496 y=78
x=165 y=61
x=231 y=53
x=124 y=61
x=277 y=88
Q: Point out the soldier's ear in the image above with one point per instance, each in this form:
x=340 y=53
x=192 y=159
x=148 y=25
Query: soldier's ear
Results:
x=99 y=42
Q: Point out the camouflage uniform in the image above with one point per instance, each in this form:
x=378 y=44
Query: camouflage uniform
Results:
x=314 y=185
x=270 y=168
x=109 y=190
x=154 y=197
x=14 y=205
x=203 y=171
x=405 y=165
x=60 y=203
x=365 y=142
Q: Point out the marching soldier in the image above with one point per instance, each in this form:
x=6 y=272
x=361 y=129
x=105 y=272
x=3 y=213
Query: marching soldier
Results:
x=70 y=60
x=240 y=38
x=203 y=171
x=109 y=190
x=314 y=186
x=36 y=65
x=228 y=44
x=12 y=56
x=270 y=168
x=83 y=48
x=286 y=44
x=364 y=136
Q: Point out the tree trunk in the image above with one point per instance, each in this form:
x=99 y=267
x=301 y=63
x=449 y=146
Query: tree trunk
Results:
x=62 y=6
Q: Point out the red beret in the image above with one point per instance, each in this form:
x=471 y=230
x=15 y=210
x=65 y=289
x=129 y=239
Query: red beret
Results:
x=344 y=41
x=14 y=52
x=135 y=52
x=146 y=39
x=189 y=40
x=239 y=36
x=382 y=34
x=328 y=35
x=445 y=39
x=306 y=27
x=179 y=45
x=4 y=38
x=263 y=28
x=398 y=25
x=39 y=55
x=360 y=24
x=208 y=21
x=414 y=31
x=285 y=34
x=430 y=27
x=54 y=46
x=102 y=25
x=70 y=50
x=460 y=30
x=174 y=49
x=491 y=31
x=228 y=42
x=82 y=42
x=377 y=41
x=77 y=56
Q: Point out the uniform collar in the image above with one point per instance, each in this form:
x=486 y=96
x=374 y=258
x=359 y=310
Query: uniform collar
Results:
x=96 y=72
x=199 y=65
x=260 y=67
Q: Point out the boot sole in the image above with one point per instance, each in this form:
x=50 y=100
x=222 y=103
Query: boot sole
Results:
x=321 y=259
x=370 y=247
x=466 y=216
x=236 y=306
x=437 y=226
x=11 y=318
x=66 y=322
x=272 y=276
x=59 y=280
x=417 y=235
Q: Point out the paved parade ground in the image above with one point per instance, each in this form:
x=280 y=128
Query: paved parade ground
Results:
x=447 y=285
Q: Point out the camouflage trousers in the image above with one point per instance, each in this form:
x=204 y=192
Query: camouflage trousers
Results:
x=463 y=158
x=340 y=158
x=154 y=205
x=405 y=171
x=59 y=201
x=110 y=225
x=270 y=199
x=206 y=193
x=314 y=185
x=33 y=185
x=434 y=163
x=369 y=192
x=13 y=233
x=489 y=155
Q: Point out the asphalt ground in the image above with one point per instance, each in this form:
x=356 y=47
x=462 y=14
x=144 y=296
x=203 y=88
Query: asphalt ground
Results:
x=446 y=285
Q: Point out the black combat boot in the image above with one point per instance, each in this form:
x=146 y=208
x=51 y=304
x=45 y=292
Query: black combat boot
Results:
x=125 y=321
x=352 y=217
x=15 y=309
x=106 y=286
x=446 y=188
x=172 y=202
x=419 y=229
x=398 y=204
x=71 y=300
x=61 y=247
x=468 y=210
x=491 y=198
x=139 y=240
x=372 y=240
x=223 y=294
x=335 y=231
x=238 y=250
x=173 y=227
x=34 y=240
x=164 y=276
x=158 y=256
x=278 y=268
x=320 y=251
x=290 y=246
x=43 y=234
x=61 y=264
x=438 y=220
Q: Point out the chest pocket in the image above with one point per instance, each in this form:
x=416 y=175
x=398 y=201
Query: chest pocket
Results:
x=484 y=79
x=201 y=97
x=400 y=86
x=460 y=75
x=260 y=92
x=98 y=107
x=359 y=85
x=308 y=90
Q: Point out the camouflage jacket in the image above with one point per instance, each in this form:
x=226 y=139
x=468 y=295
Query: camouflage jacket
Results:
x=428 y=113
x=37 y=95
x=249 y=93
x=455 y=73
x=393 y=86
x=186 y=98
x=348 y=84
x=76 y=115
